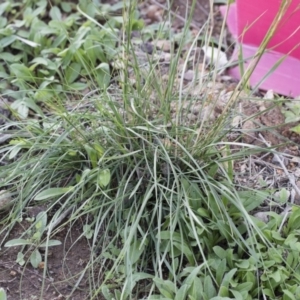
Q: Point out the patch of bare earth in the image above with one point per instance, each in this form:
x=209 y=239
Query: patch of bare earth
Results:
x=65 y=264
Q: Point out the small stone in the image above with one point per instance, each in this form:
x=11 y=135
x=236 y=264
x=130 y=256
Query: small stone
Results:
x=207 y=113
x=166 y=57
x=226 y=78
x=158 y=15
x=118 y=64
x=41 y=265
x=202 y=70
x=147 y=47
x=173 y=106
x=236 y=121
x=151 y=11
x=210 y=84
x=243 y=168
x=185 y=104
x=5 y=199
x=189 y=75
x=249 y=137
x=276 y=160
x=297 y=172
x=164 y=45
x=192 y=117
x=215 y=56
x=269 y=95
x=195 y=109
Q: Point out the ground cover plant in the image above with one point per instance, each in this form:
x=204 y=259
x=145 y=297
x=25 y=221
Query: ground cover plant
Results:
x=117 y=130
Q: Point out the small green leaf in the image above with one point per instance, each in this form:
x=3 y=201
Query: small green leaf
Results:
x=29 y=103
x=53 y=192
x=220 y=271
x=4 y=7
x=283 y=195
x=220 y=252
x=276 y=276
x=184 y=248
x=40 y=61
x=209 y=288
x=17 y=242
x=88 y=232
x=277 y=236
x=269 y=292
x=197 y=289
x=7 y=41
x=22 y=72
x=2 y=294
x=228 y=276
x=203 y=213
x=72 y=72
x=41 y=221
x=103 y=75
x=245 y=287
x=289 y=295
x=106 y=293
x=20 y=259
x=166 y=287
x=136 y=250
x=130 y=284
x=294 y=219
x=8 y=57
x=137 y=24
x=50 y=243
x=78 y=86
x=220 y=298
x=92 y=153
x=237 y=295
x=223 y=291
x=36 y=236
x=35 y=258
x=55 y=13
x=20 y=108
x=66 y=7
x=104 y=177
x=182 y=292
x=14 y=151
x=296 y=129
x=243 y=264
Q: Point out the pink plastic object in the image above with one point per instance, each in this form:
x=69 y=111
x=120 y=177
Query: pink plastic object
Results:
x=249 y=22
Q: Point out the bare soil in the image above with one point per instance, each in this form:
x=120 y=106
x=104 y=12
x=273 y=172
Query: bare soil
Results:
x=65 y=264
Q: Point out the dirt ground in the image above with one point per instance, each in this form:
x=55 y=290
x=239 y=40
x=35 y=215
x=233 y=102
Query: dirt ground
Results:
x=67 y=261
x=65 y=264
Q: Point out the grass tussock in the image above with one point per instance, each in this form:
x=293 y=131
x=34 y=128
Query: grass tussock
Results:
x=161 y=211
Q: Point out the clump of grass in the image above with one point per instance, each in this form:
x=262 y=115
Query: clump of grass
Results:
x=163 y=216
